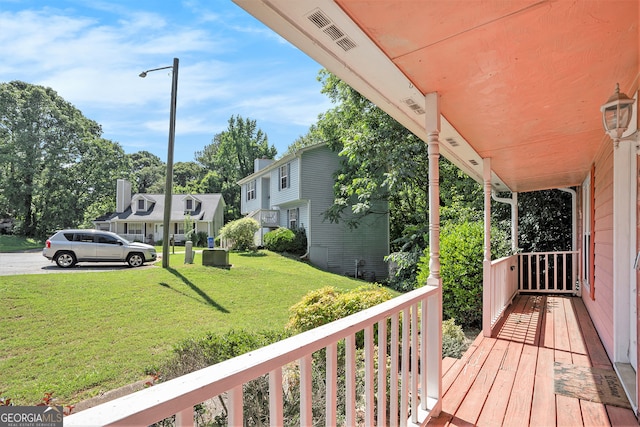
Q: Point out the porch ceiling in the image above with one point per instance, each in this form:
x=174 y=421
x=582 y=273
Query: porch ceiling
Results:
x=520 y=81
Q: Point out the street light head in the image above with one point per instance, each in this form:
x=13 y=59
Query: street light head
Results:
x=143 y=74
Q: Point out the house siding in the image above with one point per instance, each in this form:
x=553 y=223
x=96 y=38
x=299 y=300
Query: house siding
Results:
x=254 y=204
x=601 y=308
x=291 y=193
x=336 y=247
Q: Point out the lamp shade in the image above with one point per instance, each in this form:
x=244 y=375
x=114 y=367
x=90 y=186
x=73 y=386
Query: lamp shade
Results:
x=616 y=113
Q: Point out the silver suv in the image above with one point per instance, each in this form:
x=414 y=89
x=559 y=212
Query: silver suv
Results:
x=68 y=247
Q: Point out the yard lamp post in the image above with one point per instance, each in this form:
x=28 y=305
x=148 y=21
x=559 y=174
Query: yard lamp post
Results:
x=616 y=114
x=169 y=179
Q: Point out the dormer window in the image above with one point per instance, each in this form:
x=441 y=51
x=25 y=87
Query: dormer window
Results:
x=141 y=205
x=188 y=205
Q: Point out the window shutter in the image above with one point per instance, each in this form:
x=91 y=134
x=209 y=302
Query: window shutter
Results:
x=288 y=175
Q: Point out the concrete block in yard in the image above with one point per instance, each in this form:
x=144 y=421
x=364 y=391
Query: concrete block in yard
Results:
x=216 y=257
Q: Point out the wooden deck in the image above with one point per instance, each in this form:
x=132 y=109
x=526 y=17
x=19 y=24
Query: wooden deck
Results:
x=508 y=380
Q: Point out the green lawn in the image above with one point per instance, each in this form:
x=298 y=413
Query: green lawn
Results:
x=11 y=243
x=79 y=334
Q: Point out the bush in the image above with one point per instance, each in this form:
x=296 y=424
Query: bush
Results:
x=279 y=239
x=285 y=240
x=328 y=304
x=403 y=269
x=196 y=353
x=454 y=343
x=200 y=239
x=461 y=255
x=240 y=233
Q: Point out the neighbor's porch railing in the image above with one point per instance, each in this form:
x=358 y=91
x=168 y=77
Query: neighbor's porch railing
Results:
x=413 y=380
x=266 y=217
x=549 y=272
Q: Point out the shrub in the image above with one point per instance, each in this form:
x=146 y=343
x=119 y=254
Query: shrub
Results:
x=328 y=304
x=200 y=239
x=240 y=233
x=403 y=270
x=279 y=240
x=454 y=343
x=461 y=255
x=196 y=353
x=285 y=240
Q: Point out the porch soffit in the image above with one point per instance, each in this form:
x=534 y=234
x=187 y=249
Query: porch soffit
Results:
x=520 y=81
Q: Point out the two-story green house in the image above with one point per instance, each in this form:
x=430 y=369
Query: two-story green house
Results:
x=294 y=192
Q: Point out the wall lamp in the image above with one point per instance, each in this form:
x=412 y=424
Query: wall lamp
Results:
x=169 y=178
x=616 y=114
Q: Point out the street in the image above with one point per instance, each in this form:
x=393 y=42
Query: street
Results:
x=34 y=263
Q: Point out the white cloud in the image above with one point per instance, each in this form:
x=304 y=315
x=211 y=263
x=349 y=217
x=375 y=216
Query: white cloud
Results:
x=227 y=67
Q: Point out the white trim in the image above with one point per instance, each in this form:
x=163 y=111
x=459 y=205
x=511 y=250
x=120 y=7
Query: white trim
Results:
x=624 y=220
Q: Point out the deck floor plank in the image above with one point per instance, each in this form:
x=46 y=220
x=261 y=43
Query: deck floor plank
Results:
x=460 y=388
x=508 y=380
x=543 y=408
x=474 y=402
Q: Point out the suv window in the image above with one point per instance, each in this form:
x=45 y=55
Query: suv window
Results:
x=68 y=236
x=103 y=238
x=83 y=237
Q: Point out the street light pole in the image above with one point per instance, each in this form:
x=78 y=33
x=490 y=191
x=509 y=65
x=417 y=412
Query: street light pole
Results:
x=169 y=178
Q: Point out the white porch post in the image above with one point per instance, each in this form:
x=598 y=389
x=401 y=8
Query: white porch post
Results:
x=434 y=312
x=486 y=263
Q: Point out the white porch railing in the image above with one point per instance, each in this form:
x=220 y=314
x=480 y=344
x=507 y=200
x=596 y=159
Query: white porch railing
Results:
x=549 y=272
x=504 y=285
x=265 y=217
x=413 y=323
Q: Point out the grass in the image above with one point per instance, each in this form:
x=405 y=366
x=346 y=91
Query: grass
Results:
x=80 y=334
x=11 y=243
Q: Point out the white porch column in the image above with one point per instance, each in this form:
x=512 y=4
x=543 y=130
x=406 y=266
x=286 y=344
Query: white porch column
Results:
x=486 y=263
x=433 y=133
x=434 y=306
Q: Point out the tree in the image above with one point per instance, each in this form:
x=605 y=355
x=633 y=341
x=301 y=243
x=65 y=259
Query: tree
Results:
x=53 y=162
x=230 y=157
x=148 y=172
x=186 y=177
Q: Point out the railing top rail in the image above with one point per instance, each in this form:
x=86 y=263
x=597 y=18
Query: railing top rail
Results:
x=165 y=399
x=549 y=253
x=504 y=259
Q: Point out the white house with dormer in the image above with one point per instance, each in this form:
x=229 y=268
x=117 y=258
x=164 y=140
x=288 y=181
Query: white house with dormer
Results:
x=294 y=192
x=140 y=217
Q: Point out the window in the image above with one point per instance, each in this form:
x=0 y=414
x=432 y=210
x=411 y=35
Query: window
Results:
x=141 y=205
x=251 y=190
x=587 y=273
x=109 y=240
x=283 y=175
x=293 y=218
x=180 y=228
x=188 y=205
x=134 y=228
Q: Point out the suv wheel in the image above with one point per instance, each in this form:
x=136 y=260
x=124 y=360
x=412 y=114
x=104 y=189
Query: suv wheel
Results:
x=65 y=259
x=135 y=259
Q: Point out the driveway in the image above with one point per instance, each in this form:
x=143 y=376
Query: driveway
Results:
x=34 y=263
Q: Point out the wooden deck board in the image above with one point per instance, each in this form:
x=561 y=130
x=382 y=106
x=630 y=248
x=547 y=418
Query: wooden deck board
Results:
x=509 y=379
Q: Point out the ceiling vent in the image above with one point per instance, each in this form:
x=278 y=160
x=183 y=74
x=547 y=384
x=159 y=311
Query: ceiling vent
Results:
x=473 y=162
x=452 y=142
x=413 y=105
x=322 y=21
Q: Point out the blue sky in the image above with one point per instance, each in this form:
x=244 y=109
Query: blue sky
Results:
x=91 y=52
